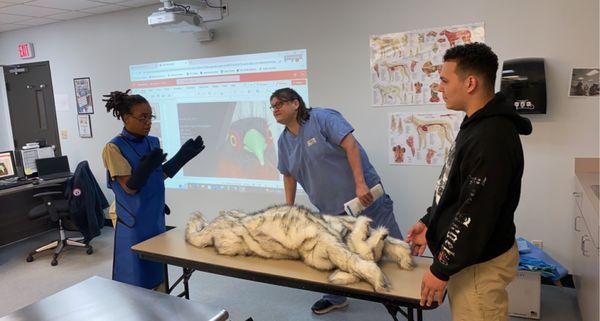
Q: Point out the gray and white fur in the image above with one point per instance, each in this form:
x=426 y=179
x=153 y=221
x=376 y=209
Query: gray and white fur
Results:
x=344 y=244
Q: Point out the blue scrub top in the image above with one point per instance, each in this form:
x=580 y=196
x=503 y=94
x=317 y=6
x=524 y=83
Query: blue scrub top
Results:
x=317 y=161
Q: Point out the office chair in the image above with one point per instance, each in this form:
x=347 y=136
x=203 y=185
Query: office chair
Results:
x=56 y=207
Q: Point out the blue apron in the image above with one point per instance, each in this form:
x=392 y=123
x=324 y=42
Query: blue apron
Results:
x=139 y=217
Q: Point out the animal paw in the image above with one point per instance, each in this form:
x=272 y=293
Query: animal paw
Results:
x=405 y=260
x=382 y=284
x=342 y=278
x=361 y=227
x=373 y=274
x=379 y=234
x=398 y=251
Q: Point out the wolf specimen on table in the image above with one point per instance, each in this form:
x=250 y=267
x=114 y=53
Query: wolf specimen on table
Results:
x=342 y=243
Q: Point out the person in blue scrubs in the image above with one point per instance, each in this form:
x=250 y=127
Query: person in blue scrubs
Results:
x=136 y=173
x=318 y=150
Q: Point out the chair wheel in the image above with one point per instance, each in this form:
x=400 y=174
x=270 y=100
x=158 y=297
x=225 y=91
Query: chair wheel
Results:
x=54 y=263
x=89 y=251
x=29 y=258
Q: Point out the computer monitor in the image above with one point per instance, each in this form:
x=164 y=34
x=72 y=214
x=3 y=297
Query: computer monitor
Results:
x=29 y=157
x=53 y=167
x=8 y=169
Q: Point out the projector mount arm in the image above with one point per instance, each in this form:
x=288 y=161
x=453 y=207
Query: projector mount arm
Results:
x=194 y=6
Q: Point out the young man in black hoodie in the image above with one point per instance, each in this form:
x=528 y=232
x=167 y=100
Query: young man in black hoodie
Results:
x=469 y=227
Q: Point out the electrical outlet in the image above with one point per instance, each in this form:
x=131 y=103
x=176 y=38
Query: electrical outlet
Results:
x=64 y=134
x=538 y=243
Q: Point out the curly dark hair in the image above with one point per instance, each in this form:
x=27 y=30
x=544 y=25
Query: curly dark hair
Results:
x=475 y=58
x=288 y=94
x=120 y=103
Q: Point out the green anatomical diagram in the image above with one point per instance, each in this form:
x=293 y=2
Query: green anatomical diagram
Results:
x=249 y=151
x=255 y=143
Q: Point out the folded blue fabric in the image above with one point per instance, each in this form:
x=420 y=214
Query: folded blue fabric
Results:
x=537 y=260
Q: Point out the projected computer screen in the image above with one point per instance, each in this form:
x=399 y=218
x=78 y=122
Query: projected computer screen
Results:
x=226 y=101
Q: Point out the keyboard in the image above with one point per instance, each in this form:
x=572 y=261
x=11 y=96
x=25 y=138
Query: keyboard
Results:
x=11 y=184
x=56 y=175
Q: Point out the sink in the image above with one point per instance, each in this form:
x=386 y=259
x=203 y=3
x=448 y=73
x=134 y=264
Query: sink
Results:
x=595 y=190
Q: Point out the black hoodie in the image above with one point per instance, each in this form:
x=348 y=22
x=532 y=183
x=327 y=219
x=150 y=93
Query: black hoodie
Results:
x=471 y=219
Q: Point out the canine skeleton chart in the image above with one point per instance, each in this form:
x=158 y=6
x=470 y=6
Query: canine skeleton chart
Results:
x=442 y=127
x=411 y=61
x=344 y=244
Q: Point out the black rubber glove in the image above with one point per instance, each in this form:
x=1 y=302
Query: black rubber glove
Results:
x=188 y=150
x=148 y=163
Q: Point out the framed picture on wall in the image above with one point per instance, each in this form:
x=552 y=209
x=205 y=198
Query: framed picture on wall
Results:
x=584 y=82
x=83 y=95
x=84 y=124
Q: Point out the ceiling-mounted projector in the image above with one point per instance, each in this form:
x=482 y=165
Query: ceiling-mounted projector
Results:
x=177 y=21
x=188 y=16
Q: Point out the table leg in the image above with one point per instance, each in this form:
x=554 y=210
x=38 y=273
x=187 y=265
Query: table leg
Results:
x=166 y=276
x=392 y=310
x=187 y=273
x=409 y=314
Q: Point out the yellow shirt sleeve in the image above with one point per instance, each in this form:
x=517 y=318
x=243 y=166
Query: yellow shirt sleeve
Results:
x=115 y=162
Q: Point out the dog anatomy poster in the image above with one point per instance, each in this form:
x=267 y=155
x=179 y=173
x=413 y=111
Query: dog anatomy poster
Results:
x=405 y=66
x=422 y=138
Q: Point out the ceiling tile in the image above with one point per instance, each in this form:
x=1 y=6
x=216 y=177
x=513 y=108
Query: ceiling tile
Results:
x=7 y=27
x=9 y=18
x=30 y=11
x=111 y=1
x=37 y=21
x=139 y=3
x=15 y=1
x=103 y=9
x=69 y=15
x=64 y=4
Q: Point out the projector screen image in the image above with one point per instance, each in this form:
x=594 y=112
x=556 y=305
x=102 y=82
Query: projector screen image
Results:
x=226 y=101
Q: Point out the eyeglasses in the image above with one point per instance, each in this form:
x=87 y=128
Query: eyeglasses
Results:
x=278 y=104
x=145 y=118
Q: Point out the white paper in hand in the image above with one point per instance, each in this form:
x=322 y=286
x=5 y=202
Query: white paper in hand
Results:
x=354 y=207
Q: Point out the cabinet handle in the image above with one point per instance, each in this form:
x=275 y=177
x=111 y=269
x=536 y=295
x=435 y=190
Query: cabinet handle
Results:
x=577 y=194
x=575 y=223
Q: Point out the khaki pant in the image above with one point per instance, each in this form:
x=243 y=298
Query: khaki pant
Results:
x=112 y=213
x=478 y=292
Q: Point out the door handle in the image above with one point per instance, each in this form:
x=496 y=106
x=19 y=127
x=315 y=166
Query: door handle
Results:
x=584 y=240
x=582 y=245
x=575 y=223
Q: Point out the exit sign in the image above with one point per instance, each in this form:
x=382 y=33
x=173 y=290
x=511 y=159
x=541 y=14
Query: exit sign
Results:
x=25 y=50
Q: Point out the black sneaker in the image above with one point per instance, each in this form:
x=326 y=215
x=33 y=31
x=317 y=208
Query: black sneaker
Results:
x=323 y=306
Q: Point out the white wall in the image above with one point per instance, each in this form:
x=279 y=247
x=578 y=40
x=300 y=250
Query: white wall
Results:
x=6 y=139
x=335 y=32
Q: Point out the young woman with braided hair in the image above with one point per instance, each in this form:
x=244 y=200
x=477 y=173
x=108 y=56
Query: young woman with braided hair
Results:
x=136 y=173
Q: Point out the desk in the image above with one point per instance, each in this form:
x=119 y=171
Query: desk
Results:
x=100 y=299
x=16 y=203
x=171 y=248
